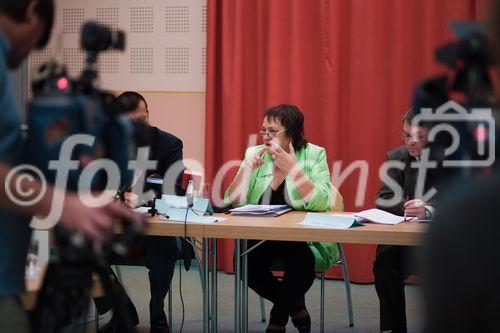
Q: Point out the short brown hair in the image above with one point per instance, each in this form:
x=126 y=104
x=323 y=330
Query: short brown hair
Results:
x=410 y=115
x=292 y=119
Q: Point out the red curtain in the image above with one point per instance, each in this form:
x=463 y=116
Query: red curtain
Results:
x=350 y=65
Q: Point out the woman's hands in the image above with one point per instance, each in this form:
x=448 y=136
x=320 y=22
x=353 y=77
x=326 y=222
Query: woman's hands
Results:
x=255 y=160
x=283 y=161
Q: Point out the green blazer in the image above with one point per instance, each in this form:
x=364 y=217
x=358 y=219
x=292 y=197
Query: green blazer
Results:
x=312 y=160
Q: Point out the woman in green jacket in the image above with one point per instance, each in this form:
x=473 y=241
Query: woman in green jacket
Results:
x=286 y=169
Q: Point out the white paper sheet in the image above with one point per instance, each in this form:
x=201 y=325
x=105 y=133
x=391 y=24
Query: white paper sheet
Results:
x=375 y=215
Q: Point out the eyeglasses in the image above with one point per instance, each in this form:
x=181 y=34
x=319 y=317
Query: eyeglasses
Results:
x=405 y=137
x=271 y=133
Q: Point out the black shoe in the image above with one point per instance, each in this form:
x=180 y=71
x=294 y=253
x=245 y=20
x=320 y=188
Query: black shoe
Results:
x=159 y=325
x=278 y=318
x=113 y=326
x=110 y=327
x=275 y=329
x=300 y=317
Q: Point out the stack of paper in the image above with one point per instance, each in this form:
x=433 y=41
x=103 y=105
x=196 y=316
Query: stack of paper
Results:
x=379 y=216
x=261 y=210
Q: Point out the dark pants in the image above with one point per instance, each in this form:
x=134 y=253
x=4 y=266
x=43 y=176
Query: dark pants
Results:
x=161 y=254
x=392 y=266
x=296 y=261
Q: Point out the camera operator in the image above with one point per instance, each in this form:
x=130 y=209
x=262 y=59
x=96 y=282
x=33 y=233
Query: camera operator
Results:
x=25 y=25
x=160 y=253
x=465 y=235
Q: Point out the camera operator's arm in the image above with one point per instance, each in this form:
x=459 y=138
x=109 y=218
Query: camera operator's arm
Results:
x=97 y=223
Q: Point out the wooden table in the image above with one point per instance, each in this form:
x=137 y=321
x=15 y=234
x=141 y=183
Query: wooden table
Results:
x=159 y=226
x=287 y=228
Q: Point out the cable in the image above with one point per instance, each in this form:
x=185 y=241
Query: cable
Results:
x=189 y=202
x=185 y=222
x=181 y=297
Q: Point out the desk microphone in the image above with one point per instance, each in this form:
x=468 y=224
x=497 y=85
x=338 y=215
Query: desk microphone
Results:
x=189 y=194
x=155 y=182
x=185 y=251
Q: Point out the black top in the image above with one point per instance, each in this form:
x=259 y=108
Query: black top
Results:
x=274 y=197
x=164 y=148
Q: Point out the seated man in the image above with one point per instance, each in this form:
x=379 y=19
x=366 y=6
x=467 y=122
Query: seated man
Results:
x=161 y=253
x=393 y=263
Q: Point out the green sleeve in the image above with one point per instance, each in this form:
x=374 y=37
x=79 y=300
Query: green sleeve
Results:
x=320 y=176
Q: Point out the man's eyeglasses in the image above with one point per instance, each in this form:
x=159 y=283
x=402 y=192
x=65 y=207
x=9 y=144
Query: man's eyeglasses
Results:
x=271 y=133
x=405 y=137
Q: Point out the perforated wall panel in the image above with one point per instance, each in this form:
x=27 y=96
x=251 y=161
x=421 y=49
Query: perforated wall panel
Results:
x=108 y=16
x=37 y=58
x=108 y=63
x=73 y=19
x=142 y=19
x=74 y=59
x=142 y=60
x=177 y=60
x=203 y=60
x=165 y=43
x=204 y=18
x=177 y=19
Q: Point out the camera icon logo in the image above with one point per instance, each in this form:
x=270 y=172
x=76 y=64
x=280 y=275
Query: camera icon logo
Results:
x=452 y=118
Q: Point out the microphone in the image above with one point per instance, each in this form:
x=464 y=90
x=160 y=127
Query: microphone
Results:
x=189 y=194
x=186 y=252
x=156 y=183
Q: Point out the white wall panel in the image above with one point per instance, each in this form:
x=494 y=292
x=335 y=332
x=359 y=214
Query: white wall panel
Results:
x=165 y=48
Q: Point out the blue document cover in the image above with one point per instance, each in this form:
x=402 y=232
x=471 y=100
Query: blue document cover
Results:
x=335 y=221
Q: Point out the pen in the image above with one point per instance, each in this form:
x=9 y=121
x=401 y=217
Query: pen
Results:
x=407 y=198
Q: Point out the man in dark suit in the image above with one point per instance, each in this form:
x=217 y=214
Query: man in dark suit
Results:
x=393 y=264
x=161 y=253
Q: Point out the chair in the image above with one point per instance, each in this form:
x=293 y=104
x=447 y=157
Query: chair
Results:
x=337 y=205
x=340 y=262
